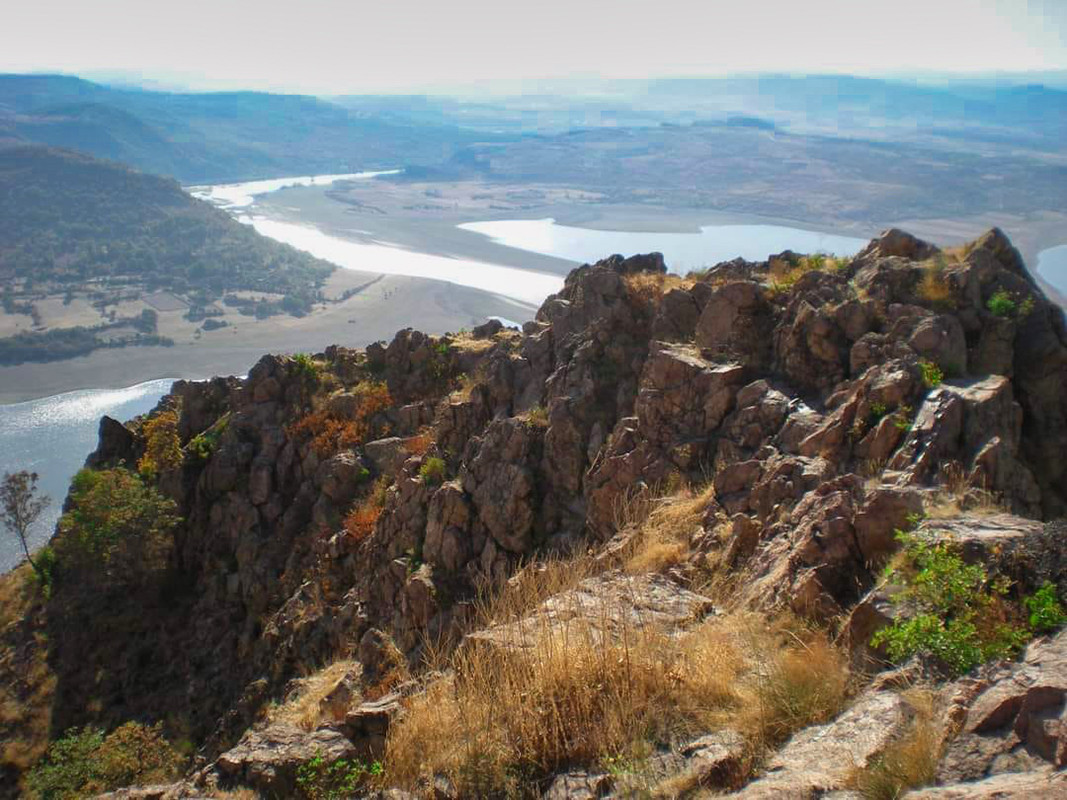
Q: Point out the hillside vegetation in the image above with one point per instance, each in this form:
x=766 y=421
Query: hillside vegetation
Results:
x=779 y=529
x=71 y=225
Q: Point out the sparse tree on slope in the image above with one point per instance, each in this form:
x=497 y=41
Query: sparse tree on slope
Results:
x=20 y=508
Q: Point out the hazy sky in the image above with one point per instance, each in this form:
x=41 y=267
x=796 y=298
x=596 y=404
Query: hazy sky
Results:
x=335 y=47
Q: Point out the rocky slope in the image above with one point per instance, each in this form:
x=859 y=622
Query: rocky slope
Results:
x=825 y=403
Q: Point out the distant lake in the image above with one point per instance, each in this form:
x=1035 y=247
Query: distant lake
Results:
x=54 y=435
x=682 y=251
x=1052 y=266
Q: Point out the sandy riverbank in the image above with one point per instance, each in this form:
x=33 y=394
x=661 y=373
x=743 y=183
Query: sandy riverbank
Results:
x=392 y=303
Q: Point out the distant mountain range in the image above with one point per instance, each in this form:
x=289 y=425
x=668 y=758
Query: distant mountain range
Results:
x=212 y=138
x=230 y=136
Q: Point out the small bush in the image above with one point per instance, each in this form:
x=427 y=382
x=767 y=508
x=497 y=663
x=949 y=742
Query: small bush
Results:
x=318 y=779
x=204 y=444
x=1001 y=304
x=433 y=471
x=163 y=447
x=902 y=419
x=85 y=763
x=957 y=616
x=933 y=288
x=1046 y=612
x=115 y=527
x=330 y=433
x=537 y=417
x=933 y=376
x=360 y=521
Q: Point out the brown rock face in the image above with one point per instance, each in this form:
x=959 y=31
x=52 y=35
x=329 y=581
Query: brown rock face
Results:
x=1017 y=723
x=808 y=411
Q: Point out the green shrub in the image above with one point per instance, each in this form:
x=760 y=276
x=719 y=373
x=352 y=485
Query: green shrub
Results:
x=956 y=614
x=85 y=763
x=932 y=374
x=433 y=471
x=1046 y=613
x=1001 y=304
x=115 y=527
x=318 y=779
x=902 y=419
x=204 y=444
x=876 y=412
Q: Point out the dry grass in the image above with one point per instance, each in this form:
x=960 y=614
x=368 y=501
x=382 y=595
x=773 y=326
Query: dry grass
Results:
x=909 y=762
x=955 y=495
x=330 y=433
x=665 y=534
x=933 y=288
x=360 y=521
x=418 y=444
x=516 y=712
x=306 y=707
x=646 y=289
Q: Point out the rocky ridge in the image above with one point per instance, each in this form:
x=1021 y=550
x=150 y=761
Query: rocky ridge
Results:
x=826 y=403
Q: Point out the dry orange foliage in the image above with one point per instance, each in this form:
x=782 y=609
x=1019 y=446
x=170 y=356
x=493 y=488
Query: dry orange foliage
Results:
x=331 y=433
x=359 y=524
x=417 y=445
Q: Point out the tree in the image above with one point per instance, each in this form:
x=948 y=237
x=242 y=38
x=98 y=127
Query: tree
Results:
x=20 y=508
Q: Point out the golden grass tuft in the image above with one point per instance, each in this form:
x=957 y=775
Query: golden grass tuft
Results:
x=664 y=537
x=933 y=288
x=304 y=707
x=909 y=762
x=646 y=289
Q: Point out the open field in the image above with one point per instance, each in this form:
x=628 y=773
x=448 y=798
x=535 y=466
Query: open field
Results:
x=391 y=303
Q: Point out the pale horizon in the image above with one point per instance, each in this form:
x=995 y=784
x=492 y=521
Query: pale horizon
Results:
x=325 y=48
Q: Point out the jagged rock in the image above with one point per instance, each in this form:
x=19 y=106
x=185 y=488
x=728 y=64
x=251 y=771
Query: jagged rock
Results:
x=116 y=443
x=715 y=760
x=335 y=703
x=579 y=786
x=736 y=325
x=885 y=510
x=267 y=760
x=603 y=605
x=1018 y=722
x=387 y=455
x=818 y=760
x=1044 y=783
x=895 y=242
x=379 y=656
x=367 y=725
x=501 y=481
x=677 y=317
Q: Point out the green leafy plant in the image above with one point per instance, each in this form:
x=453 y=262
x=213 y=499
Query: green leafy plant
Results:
x=433 y=471
x=116 y=528
x=204 y=444
x=84 y=763
x=954 y=612
x=875 y=413
x=902 y=419
x=1001 y=304
x=933 y=376
x=1046 y=612
x=319 y=779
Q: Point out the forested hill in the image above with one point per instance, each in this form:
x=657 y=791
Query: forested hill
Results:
x=213 y=137
x=68 y=220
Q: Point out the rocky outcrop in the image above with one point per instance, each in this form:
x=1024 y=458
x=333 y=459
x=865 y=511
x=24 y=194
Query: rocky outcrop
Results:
x=820 y=760
x=315 y=512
